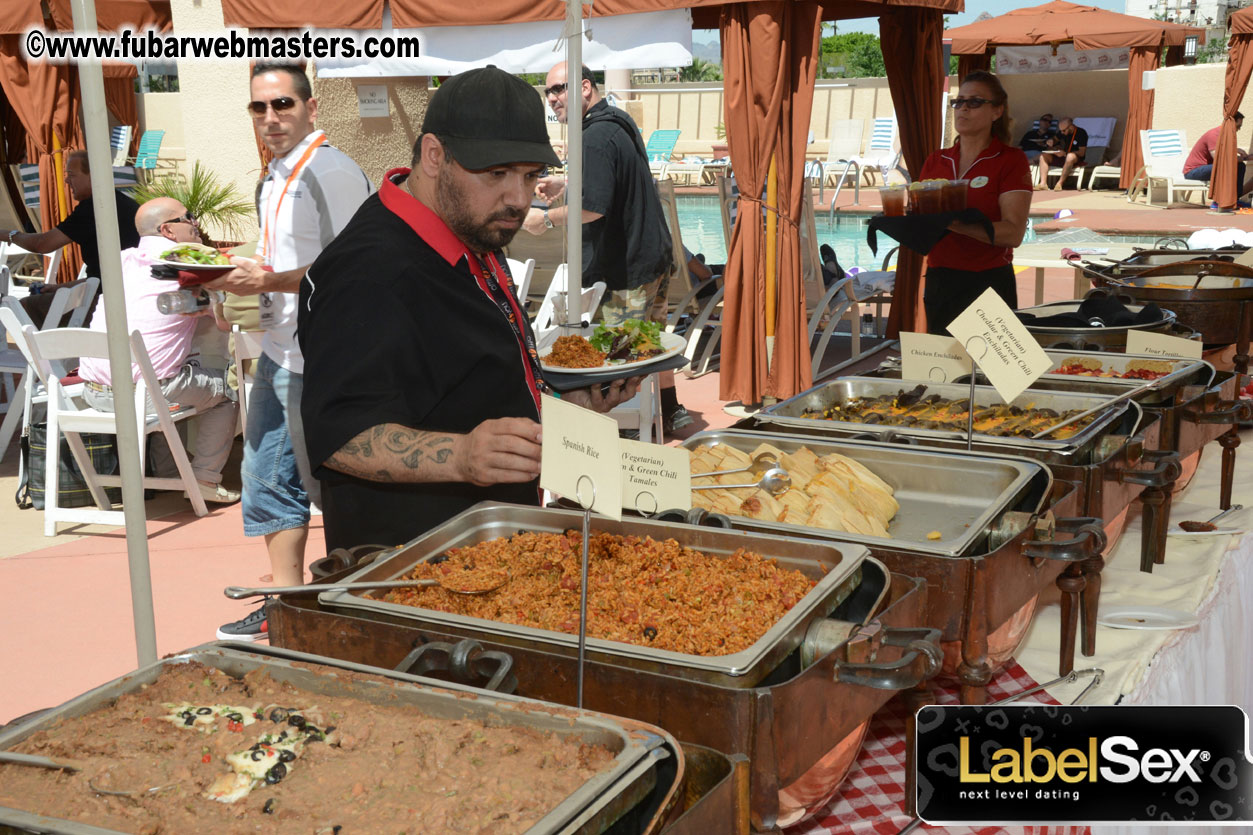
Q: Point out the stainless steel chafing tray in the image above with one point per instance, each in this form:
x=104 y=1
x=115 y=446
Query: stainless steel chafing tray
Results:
x=923 y=481
x=633 y=773
x=834 y=565
x=839 y=392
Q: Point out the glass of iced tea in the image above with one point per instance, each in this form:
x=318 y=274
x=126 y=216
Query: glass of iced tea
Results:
x=955 y=193
x=931 y=197
x=894 y=199
x=915 y=196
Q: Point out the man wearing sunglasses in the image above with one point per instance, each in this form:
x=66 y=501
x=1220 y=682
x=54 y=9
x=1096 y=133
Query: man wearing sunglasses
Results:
x=1067 y=149
x=308 y=195
x=626 y=243
x=161 y=224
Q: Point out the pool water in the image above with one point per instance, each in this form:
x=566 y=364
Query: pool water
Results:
x=700 y=223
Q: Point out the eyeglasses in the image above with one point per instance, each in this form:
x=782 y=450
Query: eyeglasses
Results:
x=556 y=89
x=280 y=105
x=972 y=103
x=188 y=218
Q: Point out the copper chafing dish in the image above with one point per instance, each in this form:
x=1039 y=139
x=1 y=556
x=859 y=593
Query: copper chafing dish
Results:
x=1097 y=337
x=1213 y=297
x=643 y=783
x=1147 y=259
x=852 y=654
x=999 y=545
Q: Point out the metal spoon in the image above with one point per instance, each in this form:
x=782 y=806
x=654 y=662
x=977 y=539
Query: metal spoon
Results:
x=91 y=783
x=762 y=463
x=1229 y=510
x=14 y=758
x=239 y=592
x=776 y=482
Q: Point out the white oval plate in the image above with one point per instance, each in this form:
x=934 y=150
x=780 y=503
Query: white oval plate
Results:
x=672 y=343
x=1180 y=533
x=194 y=268
x=1145 y=617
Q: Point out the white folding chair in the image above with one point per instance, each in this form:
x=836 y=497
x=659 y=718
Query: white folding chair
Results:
x=245 y=345
x=884 y=153
x=842 y=153
x=1165 y=152
x=67 y=416
x=553 y=308
x=522 y=272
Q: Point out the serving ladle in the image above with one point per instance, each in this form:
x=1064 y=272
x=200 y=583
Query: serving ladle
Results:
x=774 y=481
x=14 y=758
x=761 y=464
x=239 y=592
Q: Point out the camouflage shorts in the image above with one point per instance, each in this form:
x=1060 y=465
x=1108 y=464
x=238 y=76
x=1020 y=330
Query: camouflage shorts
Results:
x=646 y=302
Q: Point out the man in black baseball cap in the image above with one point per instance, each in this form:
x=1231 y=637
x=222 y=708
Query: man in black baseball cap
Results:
x=422 y=380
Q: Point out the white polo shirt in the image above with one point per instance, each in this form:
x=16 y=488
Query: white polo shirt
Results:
x=313 y=209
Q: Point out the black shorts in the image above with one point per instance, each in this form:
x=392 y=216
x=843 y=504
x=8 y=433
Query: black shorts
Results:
x=949 y=292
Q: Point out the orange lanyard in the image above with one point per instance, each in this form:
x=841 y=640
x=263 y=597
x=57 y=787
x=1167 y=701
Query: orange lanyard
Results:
x=295 y=172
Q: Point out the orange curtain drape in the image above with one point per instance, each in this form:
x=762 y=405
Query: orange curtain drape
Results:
x=43 y=95
x=1223 y=188
x=119 y=98
x=912 y=53
x=770 y=54
x=1139 y=111
x=966 y=64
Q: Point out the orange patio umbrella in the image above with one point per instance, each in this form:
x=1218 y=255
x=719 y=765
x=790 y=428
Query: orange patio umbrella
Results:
x=1087 y=27
x=1239 y=63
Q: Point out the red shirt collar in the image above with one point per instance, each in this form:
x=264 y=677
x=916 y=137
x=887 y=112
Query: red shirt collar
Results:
x=429 y=226
x=954 y=152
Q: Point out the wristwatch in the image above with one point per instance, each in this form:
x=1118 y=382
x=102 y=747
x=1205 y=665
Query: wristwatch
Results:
x=548 y=222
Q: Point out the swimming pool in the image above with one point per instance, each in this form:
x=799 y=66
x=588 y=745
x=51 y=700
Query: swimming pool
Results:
x=700 y=223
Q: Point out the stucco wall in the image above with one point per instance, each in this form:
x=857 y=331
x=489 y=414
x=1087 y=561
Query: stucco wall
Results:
x=1191 y=99
x=216 y=131
x=164 y=111
x=376 y=143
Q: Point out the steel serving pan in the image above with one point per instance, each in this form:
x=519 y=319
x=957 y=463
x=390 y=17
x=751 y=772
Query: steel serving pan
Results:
x=635 y=749
x=791 y=412
x=923 y=481
x=1075 y=336
x=833 y=565
x=1145 y=259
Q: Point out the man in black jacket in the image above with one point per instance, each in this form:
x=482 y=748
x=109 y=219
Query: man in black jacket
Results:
x=625 y=240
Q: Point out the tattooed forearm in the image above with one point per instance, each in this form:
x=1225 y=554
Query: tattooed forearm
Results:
x=394 y=453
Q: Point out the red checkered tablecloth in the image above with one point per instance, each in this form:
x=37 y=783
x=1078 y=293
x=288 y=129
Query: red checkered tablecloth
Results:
x=871 y=801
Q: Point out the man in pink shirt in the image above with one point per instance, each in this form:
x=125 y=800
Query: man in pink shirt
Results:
x=163 y=223
x=1200 y=162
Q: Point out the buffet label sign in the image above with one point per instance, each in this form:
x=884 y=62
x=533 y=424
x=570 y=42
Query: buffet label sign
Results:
x=580 y=456
x=926 y=356
x=1000 y=344
x=1161 y=345
x=655 y=477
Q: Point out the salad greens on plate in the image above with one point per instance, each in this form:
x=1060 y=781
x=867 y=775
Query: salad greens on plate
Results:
x=632 y=340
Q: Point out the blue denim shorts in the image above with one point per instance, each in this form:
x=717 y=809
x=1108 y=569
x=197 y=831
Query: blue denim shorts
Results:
x=276 y=475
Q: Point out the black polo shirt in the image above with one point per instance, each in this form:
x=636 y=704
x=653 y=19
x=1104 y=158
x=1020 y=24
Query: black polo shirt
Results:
x=80 y=227
x=396 y=326
x=629 y=245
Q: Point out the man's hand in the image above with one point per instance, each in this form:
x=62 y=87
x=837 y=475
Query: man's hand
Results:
x=247 y=279
x=592 y=398
x=534 y=222
x=550 y=188
x=501 y=451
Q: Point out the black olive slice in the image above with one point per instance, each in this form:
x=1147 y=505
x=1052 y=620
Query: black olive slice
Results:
x=276 y=773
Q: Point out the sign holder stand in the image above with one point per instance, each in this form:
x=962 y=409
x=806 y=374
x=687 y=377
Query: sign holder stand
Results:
x=974 y=378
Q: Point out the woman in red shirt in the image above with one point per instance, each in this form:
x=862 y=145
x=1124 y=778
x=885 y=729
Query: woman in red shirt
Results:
x=965 y=263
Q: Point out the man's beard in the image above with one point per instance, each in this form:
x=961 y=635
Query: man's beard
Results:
x=478 y=236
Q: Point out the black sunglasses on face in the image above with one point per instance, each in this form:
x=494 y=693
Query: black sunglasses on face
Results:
x=187 y=218
x=556 y=89
x=972 y=103
x=280 y=105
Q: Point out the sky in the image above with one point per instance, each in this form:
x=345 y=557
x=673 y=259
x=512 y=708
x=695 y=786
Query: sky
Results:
x=973 y=10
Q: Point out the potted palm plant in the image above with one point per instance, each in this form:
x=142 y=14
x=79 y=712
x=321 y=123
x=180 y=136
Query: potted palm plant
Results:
x=721 y=148
x=224 y=213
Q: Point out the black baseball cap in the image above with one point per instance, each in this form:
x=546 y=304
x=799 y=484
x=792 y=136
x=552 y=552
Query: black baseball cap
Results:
x=488 y=117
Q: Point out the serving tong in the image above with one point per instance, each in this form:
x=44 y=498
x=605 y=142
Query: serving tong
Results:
x=239 y=592
x=15 y=758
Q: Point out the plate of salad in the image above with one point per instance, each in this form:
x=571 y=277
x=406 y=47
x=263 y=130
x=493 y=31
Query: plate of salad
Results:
x=633 y=344
x=196 y=258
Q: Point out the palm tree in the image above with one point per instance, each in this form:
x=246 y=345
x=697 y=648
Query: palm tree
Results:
x=701 y=70
x=219 y=206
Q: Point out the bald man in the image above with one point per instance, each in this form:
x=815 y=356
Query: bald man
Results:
x=162 y=224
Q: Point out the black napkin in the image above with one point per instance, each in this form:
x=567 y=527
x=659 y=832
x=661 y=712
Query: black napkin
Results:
x=921 y=232
x=1106 y=308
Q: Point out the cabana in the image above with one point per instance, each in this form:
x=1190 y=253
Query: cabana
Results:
x=770 y=56
x=1239 y=64
x=1087 y=27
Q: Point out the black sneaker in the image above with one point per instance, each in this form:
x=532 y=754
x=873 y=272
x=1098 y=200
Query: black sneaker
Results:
x=678 y=419
x=251 y=628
